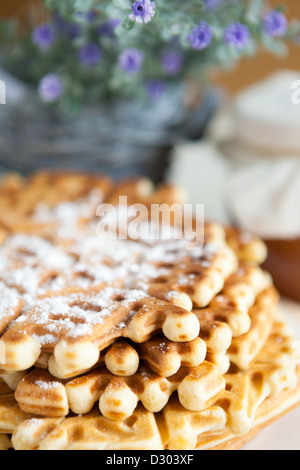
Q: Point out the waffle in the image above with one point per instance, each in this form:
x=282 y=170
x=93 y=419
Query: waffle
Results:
x=5 y=442
x=11 y=305
x=266 y=385
x=246 y=246
x=91 y=432
x=143 y=191
x=76 y=328
x=51 y=204
x=122 y=359
x=196 y=277
x=244 y=350
x=269 y=411
x=11 y=414
x=167 y=357
x=36 y=267
x=132 y=343
x=182 y=430
x=232 y=305
x=39 y=393
x=11 y=379
x=177 y=429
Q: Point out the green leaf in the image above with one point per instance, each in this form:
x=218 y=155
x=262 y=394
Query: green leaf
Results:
x=128 y=24
x=83 y=5
x=276 y=46
x=123 y=4
x=253 y=14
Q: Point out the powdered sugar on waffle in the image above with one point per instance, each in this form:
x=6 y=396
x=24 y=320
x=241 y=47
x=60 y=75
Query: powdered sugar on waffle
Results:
x=74 y=316
x=8 y=299
x=43 y=385
x=69 y=213
x=33 y=251
x=67 y=216
x=35 y=267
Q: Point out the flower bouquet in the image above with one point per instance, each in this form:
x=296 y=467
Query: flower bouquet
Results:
x=120 y=75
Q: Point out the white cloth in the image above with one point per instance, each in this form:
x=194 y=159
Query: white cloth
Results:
x=267 y=115
x=263 y=191
x=202 y=171
x=264 y=197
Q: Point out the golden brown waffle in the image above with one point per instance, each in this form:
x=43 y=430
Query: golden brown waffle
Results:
x=232 y=305
x=34 y=205
x=91 y=432
x=233 y=414
x=122 y=359
x=11 y=305
x=270 y=375
x=5 y=442
x=133 y=320
x=167 y=357
x=246 y=246
x=4 y=388
x=11 y=379
x=252 y=398
x=39 y=393
x=143 y=191
x=32 y=265
x=11 y=414
x=206 y=430
x=36 y=267
x=76 y=328
x=176 y=429
x=269 y=411
x=174 y=274
x=244 y=350
x=248 y=394
x=182 y=430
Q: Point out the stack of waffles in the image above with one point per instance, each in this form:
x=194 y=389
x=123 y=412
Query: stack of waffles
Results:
x=129 y=344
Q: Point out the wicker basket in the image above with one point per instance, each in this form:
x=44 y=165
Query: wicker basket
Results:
x=125 y=139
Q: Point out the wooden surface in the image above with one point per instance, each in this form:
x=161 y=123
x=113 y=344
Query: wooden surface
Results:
x=247 y=72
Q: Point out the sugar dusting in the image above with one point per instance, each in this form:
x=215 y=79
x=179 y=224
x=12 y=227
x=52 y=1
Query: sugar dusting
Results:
x=76 y=315
x=32 y=267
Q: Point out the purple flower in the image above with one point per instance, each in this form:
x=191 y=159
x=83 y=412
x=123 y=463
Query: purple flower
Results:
x=212 y=4
x=238 y=35
x=276 y=23
x=50 y=88
x=108 y=28
x=143 y=11
x=44 y=36
x=131 y=60
x=89 y=15
x=155 y=89
x=90 y=54
x=171 y=62
x=73 y=30
x=201 y=36
x=59 y=22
